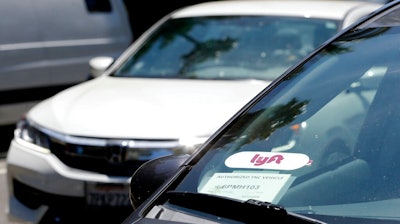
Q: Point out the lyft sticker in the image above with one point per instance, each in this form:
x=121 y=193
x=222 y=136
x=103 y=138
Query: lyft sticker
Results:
x=268 y=160
x=268 y=187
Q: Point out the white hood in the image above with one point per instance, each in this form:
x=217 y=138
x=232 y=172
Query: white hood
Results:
x=113 y=107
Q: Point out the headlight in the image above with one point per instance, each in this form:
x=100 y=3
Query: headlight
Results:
x=26 y=132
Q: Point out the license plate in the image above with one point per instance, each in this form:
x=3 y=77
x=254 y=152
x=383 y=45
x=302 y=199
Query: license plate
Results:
x=107 y=195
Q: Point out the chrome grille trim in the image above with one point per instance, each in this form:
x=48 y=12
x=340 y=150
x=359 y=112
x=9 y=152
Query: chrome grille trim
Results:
x=113 y=157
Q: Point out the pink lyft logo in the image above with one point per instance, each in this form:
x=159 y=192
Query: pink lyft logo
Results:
x=259 y=160
x=268 y=160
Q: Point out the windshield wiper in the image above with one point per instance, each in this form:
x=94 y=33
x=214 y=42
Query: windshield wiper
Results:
x=250 y=211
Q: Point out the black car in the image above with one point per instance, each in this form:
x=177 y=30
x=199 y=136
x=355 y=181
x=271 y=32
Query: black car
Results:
x=321 y=144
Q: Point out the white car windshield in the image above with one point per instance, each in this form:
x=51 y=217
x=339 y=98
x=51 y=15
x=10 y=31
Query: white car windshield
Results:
x=227 y=47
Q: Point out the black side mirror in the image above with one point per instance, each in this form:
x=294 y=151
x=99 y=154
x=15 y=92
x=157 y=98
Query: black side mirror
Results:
x=151 y=175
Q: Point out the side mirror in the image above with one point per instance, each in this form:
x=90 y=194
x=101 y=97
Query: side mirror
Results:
x=151 y=175
x=98 y=65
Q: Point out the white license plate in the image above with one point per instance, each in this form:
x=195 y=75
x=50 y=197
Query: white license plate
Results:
x=107 y=195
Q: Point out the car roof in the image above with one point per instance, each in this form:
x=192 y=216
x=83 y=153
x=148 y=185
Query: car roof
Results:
x=328 y=9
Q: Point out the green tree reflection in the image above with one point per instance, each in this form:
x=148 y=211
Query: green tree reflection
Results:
x=261 y=124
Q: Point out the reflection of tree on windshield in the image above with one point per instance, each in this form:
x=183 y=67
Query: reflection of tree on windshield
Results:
x=204 y=51
x=179 y=27
x=273 y=118
x=261 y=124
x=167 y=34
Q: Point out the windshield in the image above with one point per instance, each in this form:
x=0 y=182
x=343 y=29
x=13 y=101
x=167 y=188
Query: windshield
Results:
x=227 y=47
x=324 y=143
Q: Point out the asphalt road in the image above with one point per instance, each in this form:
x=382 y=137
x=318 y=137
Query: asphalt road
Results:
x=3 y=194
x=5 y=138
x=3 y=190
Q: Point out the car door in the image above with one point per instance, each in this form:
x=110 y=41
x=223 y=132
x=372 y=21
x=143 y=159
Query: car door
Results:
x=21 y=52
x=84 y=29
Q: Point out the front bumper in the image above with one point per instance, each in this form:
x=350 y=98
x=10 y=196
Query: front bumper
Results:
x=39 y=181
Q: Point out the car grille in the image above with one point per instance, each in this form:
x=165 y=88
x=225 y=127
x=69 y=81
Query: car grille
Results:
x=110 y=157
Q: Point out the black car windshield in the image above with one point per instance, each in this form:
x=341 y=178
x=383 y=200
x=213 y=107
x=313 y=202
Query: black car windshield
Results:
x=227 y=47
x=324 y=143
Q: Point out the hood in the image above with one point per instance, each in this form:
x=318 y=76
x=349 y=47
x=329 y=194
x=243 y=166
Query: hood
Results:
x=114 y=107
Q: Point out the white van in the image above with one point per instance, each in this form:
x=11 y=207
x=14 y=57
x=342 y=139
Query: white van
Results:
x=45 y=46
